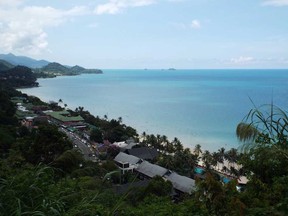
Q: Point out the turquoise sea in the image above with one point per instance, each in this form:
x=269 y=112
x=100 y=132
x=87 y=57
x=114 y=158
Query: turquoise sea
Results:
x=197 y=106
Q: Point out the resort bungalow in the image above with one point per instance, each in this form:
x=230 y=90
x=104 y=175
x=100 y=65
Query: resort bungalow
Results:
x=146 y=171
x=64 y=118
x=126 y=162
x=181 y=184
x=149 y=170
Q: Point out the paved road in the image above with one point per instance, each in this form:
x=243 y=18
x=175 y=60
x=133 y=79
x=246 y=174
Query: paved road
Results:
x=87 y=152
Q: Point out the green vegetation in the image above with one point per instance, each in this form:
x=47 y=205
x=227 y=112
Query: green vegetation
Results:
x=18 y=76
x=55 y=69
x=4 y=65
x=265 y=160
x=41 y=174
x=23 y=60
x=42 y=68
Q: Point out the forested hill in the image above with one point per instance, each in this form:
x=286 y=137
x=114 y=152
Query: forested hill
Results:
x=4 y=65
x=58 y=69
x=43 y=68
x=19 y=76
x=23 y=60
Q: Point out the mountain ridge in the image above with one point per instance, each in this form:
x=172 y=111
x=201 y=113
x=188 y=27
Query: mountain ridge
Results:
x=23 y=60
x=4 y=65
x=43 y=68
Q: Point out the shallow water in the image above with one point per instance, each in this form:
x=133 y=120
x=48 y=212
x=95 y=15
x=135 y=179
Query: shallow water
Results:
x=197 y=106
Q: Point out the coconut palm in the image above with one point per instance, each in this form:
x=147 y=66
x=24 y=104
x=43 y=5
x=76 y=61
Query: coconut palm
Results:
x=215 y=159
x=152 y=140
x=224 y=169
x=197 y=150
x=207 y=159
x=170 y=148
x=164 y=143
x=221 y=154
x=81 y=108
x=144 y=138
x=177 y=144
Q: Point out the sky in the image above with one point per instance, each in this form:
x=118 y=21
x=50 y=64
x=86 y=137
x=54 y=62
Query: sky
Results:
x=153 y=34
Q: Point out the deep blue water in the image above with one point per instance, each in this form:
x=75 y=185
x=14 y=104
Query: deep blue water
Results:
x=197 y=106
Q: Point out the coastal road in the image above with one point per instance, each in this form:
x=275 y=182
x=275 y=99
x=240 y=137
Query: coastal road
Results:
x=78 y=143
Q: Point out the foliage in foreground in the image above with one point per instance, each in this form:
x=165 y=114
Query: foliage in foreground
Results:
x=40 y=173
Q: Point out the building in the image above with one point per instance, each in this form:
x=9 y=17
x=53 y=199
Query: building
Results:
x=64 y=118
x=144 y=153
x=149 y=170
x=126 y=162
x=181 y=184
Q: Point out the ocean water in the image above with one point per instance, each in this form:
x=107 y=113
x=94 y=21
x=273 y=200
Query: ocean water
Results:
x=197 y=106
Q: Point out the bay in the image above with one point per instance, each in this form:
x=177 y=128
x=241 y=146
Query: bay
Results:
x=197 y=106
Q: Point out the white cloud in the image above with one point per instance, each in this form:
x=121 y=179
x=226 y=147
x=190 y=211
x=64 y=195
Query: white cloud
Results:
x=117 y=6
x=195 y=24
x=276 y=3
x=22 y=30
x=10 y=3
x=242 y=60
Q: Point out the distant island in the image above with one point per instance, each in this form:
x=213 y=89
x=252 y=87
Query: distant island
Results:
x=55 y=69
x=43 y=68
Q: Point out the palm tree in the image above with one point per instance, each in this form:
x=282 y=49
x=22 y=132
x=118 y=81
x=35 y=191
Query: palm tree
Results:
x=214 y=159
x=170 y=147
x=152 y=140
x=81 y=108
x=177 y=144
x=164 y=143
x=197 y=150
x=232 y=157
x=221 y=154
x=159 y=142
x=144 y=138
x=207 y=159
x=224 y=169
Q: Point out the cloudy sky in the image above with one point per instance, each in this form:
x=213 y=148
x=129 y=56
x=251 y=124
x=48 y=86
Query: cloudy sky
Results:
x=148 y=33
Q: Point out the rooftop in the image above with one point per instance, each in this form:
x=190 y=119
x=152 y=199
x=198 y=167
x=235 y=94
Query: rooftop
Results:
x=64 y=116
x=181 y=183
x=143 y=153
x=151 y=170
x=125 y=158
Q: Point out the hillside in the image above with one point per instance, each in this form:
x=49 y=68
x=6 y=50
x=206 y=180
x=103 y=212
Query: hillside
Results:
x=19 y=76
x=43 y=68
x=4 y=65
x=58 y=70
x=23 y=60
x=80 y=70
